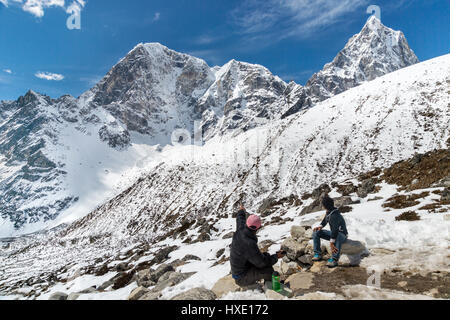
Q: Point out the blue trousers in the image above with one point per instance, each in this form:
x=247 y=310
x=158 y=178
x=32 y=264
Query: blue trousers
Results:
x=326 y=235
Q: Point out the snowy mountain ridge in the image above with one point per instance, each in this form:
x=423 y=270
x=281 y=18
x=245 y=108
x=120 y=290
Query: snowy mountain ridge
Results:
x=117 y=129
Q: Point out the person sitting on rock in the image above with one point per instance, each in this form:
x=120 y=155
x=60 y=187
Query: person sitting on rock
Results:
x=248 y=263
x=337 y=236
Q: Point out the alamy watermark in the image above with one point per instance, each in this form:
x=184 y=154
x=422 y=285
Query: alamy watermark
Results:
x=74 y=20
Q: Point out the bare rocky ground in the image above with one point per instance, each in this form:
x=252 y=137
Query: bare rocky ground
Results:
x=436 y=285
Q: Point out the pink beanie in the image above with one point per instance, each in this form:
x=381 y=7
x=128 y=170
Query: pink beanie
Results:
x=254 y=222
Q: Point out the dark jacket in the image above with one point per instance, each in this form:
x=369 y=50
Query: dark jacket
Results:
x=245 y=253
x=337 y=223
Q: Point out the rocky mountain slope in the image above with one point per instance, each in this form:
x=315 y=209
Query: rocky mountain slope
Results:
x=51 y=148
x=185 y=202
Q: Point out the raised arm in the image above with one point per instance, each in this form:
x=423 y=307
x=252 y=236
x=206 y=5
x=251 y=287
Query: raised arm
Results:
x=240 y=219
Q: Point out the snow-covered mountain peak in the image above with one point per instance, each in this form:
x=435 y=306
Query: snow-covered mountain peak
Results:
x=375 y=51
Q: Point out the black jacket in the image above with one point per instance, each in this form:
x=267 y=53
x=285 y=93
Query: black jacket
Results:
x=245 y=253
x=337 y=223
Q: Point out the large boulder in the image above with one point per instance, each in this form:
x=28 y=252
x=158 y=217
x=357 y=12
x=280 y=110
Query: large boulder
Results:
x=196 y=294
x=293 y=249
x=225 y=285
x=354 y=250
x=352 y=247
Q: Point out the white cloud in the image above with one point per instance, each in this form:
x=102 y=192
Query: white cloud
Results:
x=288 y=18
x=38 y=7
x=49 y=76
x=157 y=16
x=9 y=71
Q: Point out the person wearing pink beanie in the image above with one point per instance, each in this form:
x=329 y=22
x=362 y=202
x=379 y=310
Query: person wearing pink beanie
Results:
x=248 y=263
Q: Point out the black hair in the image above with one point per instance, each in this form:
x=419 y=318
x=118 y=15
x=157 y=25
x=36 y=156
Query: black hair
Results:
x=328 y=203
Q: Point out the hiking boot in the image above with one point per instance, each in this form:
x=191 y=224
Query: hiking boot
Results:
x=332 y=263
x=317 y=257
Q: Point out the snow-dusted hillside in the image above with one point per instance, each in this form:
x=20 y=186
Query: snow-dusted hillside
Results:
x=187 y=197
x=61 y=158
x=374 y=125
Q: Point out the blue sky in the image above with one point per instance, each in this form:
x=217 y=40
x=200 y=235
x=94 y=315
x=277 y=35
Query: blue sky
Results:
x=292 y=38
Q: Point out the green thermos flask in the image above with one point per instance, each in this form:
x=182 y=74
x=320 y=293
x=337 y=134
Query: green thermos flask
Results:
x=276 y=285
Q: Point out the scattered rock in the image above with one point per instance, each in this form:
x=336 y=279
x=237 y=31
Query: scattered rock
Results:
x=317 y=266
x=293 y=249
x=347 y=189
x=151 y=296
x=163 y=254
x=204 y=236
x=225 y=285
x=308 y=224
x=306 y=259
x=138 y=293
x=445 y=195
x=315 y=206
x=122 y=280
x=123 y=266
x=102 y=270
x=73 y=296
x=320 y=191
x=308 y=235
x=297 y=232
x=162 y=269
x=58 y=296
x=265 y=245
x=343 y=201
x=88 y=290
x=220 y=253
x=143 y=279
x=191 y=257
x=105 y=285
x=289 y=268
x=174 y=279
x=228 y=235
x=366 y=187
x=166 y=276
x=196 y=294
x=402 y=284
